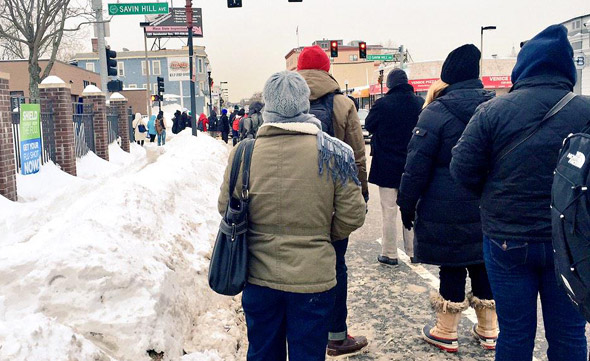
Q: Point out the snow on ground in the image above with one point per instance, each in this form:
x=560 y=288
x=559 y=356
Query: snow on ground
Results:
x=113 y=263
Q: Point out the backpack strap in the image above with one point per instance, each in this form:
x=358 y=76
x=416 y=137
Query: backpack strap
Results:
x=553 y=111
x=235 y=168
x=249 y=145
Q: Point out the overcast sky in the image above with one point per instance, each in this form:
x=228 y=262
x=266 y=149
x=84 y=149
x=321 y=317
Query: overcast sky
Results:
x=246 y=45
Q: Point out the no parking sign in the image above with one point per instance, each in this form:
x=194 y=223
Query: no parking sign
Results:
x=30 y=138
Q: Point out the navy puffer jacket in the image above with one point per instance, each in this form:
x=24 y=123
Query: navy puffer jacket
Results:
x=447 y=228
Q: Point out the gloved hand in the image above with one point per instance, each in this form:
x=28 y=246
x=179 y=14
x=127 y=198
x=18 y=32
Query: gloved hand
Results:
x=408 y=217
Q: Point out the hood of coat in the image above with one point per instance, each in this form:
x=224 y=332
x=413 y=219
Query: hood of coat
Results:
x=461 y=99
x=320 y=83
x=274 y=129
x=401 y=88
x=544 y=81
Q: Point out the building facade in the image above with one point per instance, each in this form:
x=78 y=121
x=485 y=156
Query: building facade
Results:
x=579 y=36
x=172 y=65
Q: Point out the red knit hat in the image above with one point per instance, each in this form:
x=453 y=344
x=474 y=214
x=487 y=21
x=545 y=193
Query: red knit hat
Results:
x=313 y=57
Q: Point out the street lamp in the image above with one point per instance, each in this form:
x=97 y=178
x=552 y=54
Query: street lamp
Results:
x=210 y=89
x=381 y=71
x=346 y=84
x=481 y=46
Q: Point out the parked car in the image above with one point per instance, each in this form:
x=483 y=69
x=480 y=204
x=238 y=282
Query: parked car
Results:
x=363 y=113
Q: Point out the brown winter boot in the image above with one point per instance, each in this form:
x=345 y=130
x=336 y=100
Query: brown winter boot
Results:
x=448 y=314
x=486 y=329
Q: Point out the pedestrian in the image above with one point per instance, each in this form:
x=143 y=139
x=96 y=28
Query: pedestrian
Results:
x=224 y=126
x=515 y=186
x=176 y=122
x=152 y=128
x=235 y=133
x=213 y=122
x=391 y=121
x=161 y=128
x=290 y=290
x=340 y=116
x=202 y=124
x=243 y=116
x=254 y=120
x=447 y=228
x=140 y=129
x=233 y=115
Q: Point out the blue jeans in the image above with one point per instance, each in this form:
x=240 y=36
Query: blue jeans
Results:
x=518 y=273
x=275 y=318
x=338 y=329
x=162 y=138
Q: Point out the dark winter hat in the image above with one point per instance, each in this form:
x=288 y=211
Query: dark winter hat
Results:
x=223 y=111
x=396 y=77
x=548 y=53
x=313 y=57
x=236 y=107
x=461 y=64
x=286 y=93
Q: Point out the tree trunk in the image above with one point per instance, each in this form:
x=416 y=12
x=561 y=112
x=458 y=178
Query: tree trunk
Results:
x=34 y=79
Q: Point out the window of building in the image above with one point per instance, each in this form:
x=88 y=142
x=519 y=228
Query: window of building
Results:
x=121 y=68
x=156 y=67
x=354 y=57
x=143 y=68
x=132 y=86
x=86 y=83
x=90 y=66
x=144 y=85
x=200 y=62
x=577 y=45
x=202 y=87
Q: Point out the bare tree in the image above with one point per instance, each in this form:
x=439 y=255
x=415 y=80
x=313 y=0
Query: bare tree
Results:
x=31 y=29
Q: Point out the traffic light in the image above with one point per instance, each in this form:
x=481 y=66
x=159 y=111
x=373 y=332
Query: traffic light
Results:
x=157 y=98
x=111 y=62
x=362 y=50
x=160 y=85
x=295 y=1
x=334 y=49
x=234 y=3
x=115 y=86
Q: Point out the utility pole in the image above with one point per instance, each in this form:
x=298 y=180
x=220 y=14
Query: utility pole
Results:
x=147 y=73
x=189 y=25
x=102 y=56
x=210 y=91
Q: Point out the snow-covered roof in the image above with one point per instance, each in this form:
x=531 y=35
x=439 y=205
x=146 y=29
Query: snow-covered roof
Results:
x=52 y=79
x=91 y=89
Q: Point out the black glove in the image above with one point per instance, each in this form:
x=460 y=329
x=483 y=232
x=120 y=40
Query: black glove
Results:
x=408 y=217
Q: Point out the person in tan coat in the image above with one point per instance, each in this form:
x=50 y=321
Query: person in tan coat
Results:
x=300 y=201
x=313 y=64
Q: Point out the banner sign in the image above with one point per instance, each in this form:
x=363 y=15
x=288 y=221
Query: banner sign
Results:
x=422 y=85
x=179 y=70
x=30 y=138
x=138 y=9
x=173 y=24
x=497 y=82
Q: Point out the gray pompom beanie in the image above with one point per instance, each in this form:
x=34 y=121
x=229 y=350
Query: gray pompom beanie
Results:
x=286 y=94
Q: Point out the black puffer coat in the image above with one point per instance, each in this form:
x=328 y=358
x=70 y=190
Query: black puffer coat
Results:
x=447 y=228
x=391 y=121
x=517 y=190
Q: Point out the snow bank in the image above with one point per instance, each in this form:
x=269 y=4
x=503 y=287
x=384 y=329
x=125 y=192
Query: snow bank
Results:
x=116 y=265
x=48 y=181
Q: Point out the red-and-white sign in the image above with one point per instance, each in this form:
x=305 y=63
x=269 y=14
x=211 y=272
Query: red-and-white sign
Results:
x=497 y=82
x=422 y=85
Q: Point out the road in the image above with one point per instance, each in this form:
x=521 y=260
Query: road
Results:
x=390 y=304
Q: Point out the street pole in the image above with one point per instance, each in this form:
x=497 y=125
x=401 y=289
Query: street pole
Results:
x=481 y=47
x=147 y=73
x=189 y=25
x=210 y=93
x=381 y=81
x=102 y=56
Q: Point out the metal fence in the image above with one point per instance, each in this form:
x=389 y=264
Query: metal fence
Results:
x=113 y=123
x=48 y=148
x=83 y=114
x=130 y=118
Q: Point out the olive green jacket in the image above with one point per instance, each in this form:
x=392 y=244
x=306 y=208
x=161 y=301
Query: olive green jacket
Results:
x=294 y=212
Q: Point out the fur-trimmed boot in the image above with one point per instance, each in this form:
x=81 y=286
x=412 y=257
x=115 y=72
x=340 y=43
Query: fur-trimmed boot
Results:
x=448 y=314
x=486 y=329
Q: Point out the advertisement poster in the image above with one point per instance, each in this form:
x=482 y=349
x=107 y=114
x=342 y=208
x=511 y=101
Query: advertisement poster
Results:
x=30 y=138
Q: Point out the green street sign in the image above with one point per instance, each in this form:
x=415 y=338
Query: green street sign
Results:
x=138 y=9
x=380 y=57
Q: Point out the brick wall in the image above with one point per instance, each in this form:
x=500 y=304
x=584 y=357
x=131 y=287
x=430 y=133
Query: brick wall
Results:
x=101 y=137
x=61 y=97
x=7 y=163
x=121 y=105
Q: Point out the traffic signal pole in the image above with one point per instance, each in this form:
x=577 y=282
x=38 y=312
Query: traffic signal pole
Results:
x=147 y=76
x=102 y=56
x=189 y=25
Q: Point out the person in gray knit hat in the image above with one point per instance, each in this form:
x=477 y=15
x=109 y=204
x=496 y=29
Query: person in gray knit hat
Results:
x=304 y=193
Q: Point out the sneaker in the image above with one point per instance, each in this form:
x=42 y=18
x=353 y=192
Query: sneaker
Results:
x=349 y=346
x=388 y=261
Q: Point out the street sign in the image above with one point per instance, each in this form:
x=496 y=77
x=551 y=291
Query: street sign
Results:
x=173 y=24
x=380 y=57
x=580 y=60
x=138 y=9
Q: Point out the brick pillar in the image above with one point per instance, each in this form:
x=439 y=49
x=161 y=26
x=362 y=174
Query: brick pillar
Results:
x=101 y=136
x=58 y=92
x=7 y=163
x=120 y=102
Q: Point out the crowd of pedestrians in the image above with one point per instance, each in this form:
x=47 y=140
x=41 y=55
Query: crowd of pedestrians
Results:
x=471 y=201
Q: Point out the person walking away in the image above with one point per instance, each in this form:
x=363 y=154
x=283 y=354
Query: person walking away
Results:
x=213 y=122
x=254 y=120
x=290 y=290
x=448 y=228
x=514 y=176
x=202 y=124
x=391 y=121
x=235 y=134
x=224 y=126
x=161 y=128
x=176 y=127
x=340 y=119
x=243 y=117
x=140 y=129
x=152 y=128
x=234 y=114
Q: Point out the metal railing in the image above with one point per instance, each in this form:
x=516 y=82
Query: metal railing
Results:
x=113 y=124
x=83 y=117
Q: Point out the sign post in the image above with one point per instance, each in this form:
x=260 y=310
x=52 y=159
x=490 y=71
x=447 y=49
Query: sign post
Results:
x=138 y=9
x=380 y=57
x=30 y=138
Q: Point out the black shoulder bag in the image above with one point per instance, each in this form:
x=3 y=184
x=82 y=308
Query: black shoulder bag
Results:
x=228 y=270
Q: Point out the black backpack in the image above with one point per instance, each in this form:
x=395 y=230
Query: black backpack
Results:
x=323 y=108
x=570 y=217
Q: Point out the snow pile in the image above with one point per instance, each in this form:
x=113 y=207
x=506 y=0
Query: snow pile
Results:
x=49 y=180
x=115 y=266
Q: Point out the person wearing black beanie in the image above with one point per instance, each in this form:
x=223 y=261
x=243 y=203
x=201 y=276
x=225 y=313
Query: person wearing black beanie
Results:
x=512 y=168
x=461 y=64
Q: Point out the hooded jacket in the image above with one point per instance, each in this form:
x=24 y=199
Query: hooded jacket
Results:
x=516 y=191
x=136 y=123
x=447 y=228
x=347 y=126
